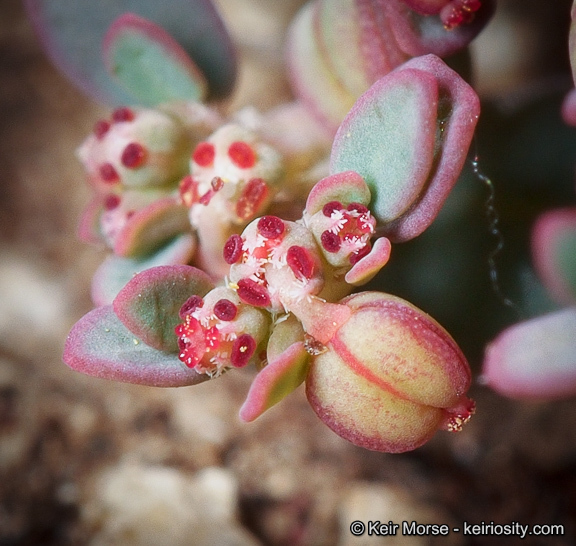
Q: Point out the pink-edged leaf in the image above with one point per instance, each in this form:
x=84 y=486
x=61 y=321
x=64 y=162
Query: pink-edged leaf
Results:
x=89 y=225
x=554 y=252
x=569 y=108
x=408 y=137
x=346 y=187
x=100 y=345
x=149 y=63
x=72 y=32
x=149 y=228
x=356 y=41
x=366 y=268
x=116 y=271
x=150 y=302
x=388 y=138
x=311 y=75
x=276 y=380
x=535 y=358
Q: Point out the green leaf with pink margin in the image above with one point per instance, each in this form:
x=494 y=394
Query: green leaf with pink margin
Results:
x=276 y=380
x=101 y=346
x=151 y=227
x=150 y=302
x=115 y=271
x=356 y=40
x=408 y=137
x=535 y=358
x=554 y=252
x=346 y=187
x=149 y=63
x=72 y=32
x=286 y=369
x=89 y=225
x=311 y=75
x=365 y=269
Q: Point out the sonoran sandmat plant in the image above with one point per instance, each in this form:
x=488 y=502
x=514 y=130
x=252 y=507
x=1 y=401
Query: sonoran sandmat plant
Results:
x=239 y=239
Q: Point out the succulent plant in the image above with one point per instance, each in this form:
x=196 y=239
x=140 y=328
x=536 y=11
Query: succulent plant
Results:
x=285 y=305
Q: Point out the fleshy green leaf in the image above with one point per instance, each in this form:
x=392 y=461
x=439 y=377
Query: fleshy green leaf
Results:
x=408 y=137
x=311 y=75
x=345 y=187
x=149 y=304
x=89 y=225
x=554 y=250
x=100 y=345
x=366 y=268
x=116 y=271
x=72 y=32
x=535 y=358
x=149 y=63
x=150 y=228
x=278 y=379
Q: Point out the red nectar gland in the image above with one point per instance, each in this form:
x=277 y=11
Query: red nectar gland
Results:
x=101 y=127
x=251 y=199
x=233 y=249
x=300 y=262
x=252 y=293
x=225 y=310
x=242 y=350
x=190 y=305
x=203 y=154
x=134 y=155
x=270 y=227
x=330 y=241
x=111 y=201
x=123 y=114
x=242 y=154
x=331 y=207
x=108 y=173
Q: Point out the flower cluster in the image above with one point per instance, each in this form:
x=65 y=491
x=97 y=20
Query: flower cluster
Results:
x=279 y=228
x=171 y=185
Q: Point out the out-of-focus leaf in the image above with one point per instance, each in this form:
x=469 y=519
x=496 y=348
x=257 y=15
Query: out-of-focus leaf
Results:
x=115 y=271
x=72 y=32
x=151 y=227
x=554 y=251
x=149 y=63
x=535 y=358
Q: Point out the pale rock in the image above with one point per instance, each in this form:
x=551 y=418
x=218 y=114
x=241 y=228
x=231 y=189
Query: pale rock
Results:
x=368 y=502
x=144 y=505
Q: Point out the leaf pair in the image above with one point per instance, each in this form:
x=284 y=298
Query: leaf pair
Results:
x=157 y=51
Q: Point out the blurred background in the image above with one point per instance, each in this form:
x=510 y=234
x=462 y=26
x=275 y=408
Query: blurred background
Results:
x=87 y=461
